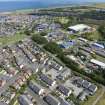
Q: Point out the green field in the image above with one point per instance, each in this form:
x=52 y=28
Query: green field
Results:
x=102 y=101
x=99 y=5
x=11 y=39
x=91 y=99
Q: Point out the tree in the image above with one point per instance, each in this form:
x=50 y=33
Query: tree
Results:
x=27 y=32
x=43 y=33
x=39 y=39
x=101 y=30
x=53 y=48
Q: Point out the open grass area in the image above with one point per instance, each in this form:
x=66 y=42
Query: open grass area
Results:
x=92 y=36
x=99 y=5
x=102 y=101
x=91 y=99
x=102 y=59
x=16 y=103
x=11 y=39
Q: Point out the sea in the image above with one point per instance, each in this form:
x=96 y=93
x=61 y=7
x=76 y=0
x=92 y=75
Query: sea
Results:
x=8 y=6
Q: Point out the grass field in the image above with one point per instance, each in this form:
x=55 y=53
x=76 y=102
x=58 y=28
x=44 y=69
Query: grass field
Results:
x=102 y=101
x=102 y=59
x=91 y=99
x=99 y=5
x=11 y=39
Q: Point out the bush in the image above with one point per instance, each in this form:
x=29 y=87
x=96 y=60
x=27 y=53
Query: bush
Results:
x=39 y=39
x=53 y=48
x=43 y=33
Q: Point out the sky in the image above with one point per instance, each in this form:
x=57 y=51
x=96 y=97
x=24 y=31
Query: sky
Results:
x=54 y=0
x=59 y=0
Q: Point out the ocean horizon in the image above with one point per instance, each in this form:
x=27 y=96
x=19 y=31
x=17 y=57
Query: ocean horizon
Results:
x=8 y=6
x=13 y=6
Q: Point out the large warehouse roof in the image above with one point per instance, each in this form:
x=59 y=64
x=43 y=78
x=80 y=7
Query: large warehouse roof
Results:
x=79 y=27
x=98 y=63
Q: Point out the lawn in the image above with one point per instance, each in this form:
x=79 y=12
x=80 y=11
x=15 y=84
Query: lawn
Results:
x=99 y=5
x=102 y=59
x=92 y=36
x=102 y=101
x=11 y=39
x=91 y=99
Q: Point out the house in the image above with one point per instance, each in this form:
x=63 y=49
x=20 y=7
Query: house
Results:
x=83 y=96
x=64 y=74
x=67 y=44
x=2 y=83
x=64 y=102
x=79 y=81
x=86 y=84
x=42 y=27
x=93 y=88
x=55 y=65
x=11 y=71
x=16 y=85
x=19 y=81
x=79 y=28
x=97 y=63
x=65 y=91
x=24 y=100
x=47 y=80
x=3 y=103
x=50 y=100
x=36 y=88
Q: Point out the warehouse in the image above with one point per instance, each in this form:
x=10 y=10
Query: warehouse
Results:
x=98 y=63
x=79 y=28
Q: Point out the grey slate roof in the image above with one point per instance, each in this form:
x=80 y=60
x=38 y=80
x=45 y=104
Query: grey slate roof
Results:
x=86 y=84
x=50 y=100
x=63 y=90
x=23 y=100
x=92 y=88
x=35 y=87
x=3 y=103
x=64 y=102
x=46 y=79
x=80 y=81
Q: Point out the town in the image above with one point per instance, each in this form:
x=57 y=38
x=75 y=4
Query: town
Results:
x=50 y=60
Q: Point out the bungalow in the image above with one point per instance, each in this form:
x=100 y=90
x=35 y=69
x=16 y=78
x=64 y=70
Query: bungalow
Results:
x=50 y=100
x=24 y=100
x=47 y=80
x=79 y=28
x=65 y=91
x=36 y=88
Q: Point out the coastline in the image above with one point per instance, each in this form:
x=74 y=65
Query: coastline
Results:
x=47 y=8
